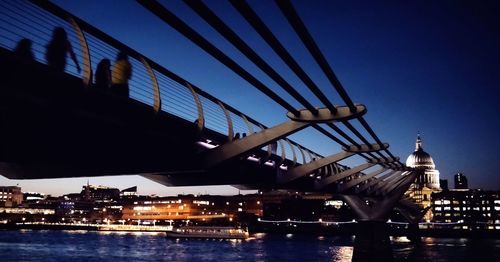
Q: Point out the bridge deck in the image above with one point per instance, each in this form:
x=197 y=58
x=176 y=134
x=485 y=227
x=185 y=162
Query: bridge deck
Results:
x=53 y=126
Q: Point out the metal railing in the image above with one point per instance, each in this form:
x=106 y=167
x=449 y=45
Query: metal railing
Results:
x=150 y=83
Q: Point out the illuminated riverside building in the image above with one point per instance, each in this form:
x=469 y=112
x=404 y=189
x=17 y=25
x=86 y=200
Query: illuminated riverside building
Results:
x=100 y=204
x=203 y=208
x=10 y=196
x=470 y=209
x=190 y=207
x=428 y=182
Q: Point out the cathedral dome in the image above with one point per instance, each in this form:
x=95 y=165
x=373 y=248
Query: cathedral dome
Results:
x=419 y=158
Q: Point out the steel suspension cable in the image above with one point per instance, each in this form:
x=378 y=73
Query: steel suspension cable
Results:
x=293 y=18
x=212 y=19
x=181 y=27
x=251 y=17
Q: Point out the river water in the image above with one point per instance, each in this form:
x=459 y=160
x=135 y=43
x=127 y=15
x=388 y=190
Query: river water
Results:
x=45 y=245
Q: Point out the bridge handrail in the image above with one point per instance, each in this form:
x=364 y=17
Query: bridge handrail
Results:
x=82 y=27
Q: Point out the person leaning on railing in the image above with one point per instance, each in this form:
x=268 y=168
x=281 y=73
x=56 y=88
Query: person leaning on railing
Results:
x=120 y=74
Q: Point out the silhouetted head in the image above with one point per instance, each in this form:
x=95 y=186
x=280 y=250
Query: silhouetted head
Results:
x=23 y=49
x=105 y=62
x=24 y=45
x=122 y=56
x=59 y=35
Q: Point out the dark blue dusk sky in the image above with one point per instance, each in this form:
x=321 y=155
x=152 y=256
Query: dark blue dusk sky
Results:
x=428 y=66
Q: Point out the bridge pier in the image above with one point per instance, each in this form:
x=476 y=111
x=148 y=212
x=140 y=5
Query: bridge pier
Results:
x=372 y=242
x=413 y=233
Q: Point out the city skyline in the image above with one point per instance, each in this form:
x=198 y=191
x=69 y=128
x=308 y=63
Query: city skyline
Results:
x=429 y=66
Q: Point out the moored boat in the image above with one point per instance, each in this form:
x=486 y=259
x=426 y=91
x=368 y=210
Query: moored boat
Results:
x=208 y=232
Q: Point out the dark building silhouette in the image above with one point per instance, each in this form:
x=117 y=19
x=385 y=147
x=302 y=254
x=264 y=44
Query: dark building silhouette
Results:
x=461 y=181
x=100 y=193
x=130 y=192
x=443 y=183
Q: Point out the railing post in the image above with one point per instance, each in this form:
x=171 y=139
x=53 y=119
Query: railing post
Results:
x=250 y=128
x=269 y=147
x=302 y=153
x=310 y=155
x=230 y=131
x=156 y=87
x=199 y=108
x=293 y=152
x=87 y=66
x=283 y=153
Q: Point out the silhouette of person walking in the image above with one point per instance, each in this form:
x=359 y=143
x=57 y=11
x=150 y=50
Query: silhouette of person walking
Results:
x=103 y=74
x=23 y=50
x=120 y=74
x=57 y=49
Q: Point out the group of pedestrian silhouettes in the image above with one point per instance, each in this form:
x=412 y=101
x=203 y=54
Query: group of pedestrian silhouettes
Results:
x=113 y=78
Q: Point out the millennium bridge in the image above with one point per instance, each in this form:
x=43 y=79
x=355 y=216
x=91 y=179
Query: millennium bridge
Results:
x=57 y=124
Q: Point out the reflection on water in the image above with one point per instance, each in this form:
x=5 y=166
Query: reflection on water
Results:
x=341 y=254
x=136 y=233
x=400 y=239
x=27 y=245
x=447 y=249
x=148 y=246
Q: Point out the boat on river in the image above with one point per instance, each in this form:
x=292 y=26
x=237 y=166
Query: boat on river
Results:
x=208 y=232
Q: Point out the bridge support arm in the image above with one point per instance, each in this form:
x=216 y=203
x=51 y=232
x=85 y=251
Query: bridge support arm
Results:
x=379 y=210
x=332 y=179
x=304 y=170
x=393 y=186
x=384 y=182
x=374 y=181
x=245 y=145
x=355 y=182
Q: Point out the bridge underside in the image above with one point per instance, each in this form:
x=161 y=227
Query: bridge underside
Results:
x=54 y=127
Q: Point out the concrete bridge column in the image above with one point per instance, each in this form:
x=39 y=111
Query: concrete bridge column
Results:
x=372 y=242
